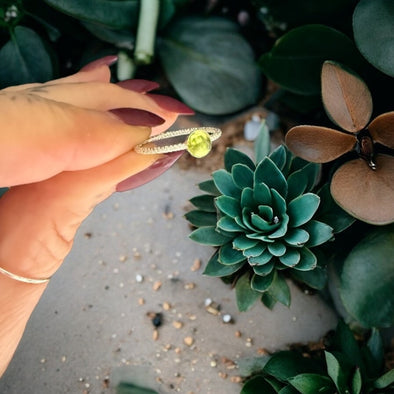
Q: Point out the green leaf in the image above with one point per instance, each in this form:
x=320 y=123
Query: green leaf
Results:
x=116 y=14
x=245 y=295
x=262 y=224
x=302 y=208
x=208 y=236
x=230 y=256
x=278 y=204
x=229 y=206
x=308 y=260
x=357 y=382
x=229 y=224
x=131 y=388
x=267 y=172
x=376 y=349
x=367 y=279
x=262 y=283
x=247 y=199
x=224 y=182
x=374 y=34
x=385 y=380
x=263 y=270
x=24 y=59
x=262 y=194
x=281 y=156
x=262 y=259
x=310 y=383
x=287 y=364
x=262 y=144
x=316 y=278
x=268 y=301
x=205 y=203
x=205 y=48
x=214 y=268
x=234 y=156
x=279 y=289
x=277 y=249
x=201 y=218
x=242 y=175
x=319 y=233
x=255 y=251
x=282 y=229
x=251 y=365
x=290 y=258
x=296 y=237
x=296 y=59
x=337 y=373
x=209 y=187
x=302 y=180
x=120 y=38
x=242 y=242
x=347 y=344
x=257 y=385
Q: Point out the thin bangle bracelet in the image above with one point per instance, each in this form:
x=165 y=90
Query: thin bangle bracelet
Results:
x=198 y=142
x=22 y=278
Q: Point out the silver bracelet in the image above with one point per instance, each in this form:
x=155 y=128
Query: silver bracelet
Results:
x=198 y=142
x=22 y=278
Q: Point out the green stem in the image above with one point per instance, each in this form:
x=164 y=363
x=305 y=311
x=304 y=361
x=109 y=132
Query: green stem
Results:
x=146 y=33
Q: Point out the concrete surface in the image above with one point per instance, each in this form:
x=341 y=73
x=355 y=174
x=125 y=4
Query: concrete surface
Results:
x=93 y=326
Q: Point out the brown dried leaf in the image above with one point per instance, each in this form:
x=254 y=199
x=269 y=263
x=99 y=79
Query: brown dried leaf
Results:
x=382 y=129
x=365 y=193
x=318 y=144
x=346 y=97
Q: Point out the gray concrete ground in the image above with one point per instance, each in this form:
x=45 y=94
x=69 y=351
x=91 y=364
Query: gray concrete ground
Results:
x=93 y=326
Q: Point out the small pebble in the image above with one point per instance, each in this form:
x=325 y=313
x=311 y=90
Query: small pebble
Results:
x=177 y=324
x=139 y=278
x=141 y=301
x=196 y=265
x=248 y=342
x=222 y=375
x=227 y=318
x=157 y=285
x=157 y=319
x=122 y=258
x=189 y=286
x=166 y=306
x=188 y=341
x=213 y=364
x=238 y=334
x=262 y=351
x=155 y=335
x=177 y=350
x=208 y=301
x=236 y=379
x=64 y=358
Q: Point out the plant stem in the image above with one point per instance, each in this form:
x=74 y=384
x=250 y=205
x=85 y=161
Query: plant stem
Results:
x=146 y=32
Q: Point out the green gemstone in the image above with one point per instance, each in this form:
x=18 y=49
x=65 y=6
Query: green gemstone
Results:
x=199 y=143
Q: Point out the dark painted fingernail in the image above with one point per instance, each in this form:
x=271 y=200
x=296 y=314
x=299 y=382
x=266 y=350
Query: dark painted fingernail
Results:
x=171 y=104
x=107 y=61
x=137 y=117
x=138 y=85
x=156 y=169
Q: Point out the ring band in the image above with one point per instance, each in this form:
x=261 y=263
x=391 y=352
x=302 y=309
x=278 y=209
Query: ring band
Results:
x=22 y=278
x=198 y=142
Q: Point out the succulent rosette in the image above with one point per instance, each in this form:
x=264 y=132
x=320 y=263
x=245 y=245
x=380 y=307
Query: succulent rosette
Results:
x=262 y=220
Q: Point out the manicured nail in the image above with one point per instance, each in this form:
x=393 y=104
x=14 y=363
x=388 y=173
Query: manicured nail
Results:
x=171 y=104
x=137 y=117
x=156 y=169
x=138 y=85
x=104 y=61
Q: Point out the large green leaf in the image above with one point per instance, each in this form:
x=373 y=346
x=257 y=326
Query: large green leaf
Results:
x=337 y=372
x=279 y=289
x=245 y=295
x=24 y=59
x=310 y=383
x=201 y=218
x=385 y=380
x=116 y=14
x=224 y=182
x=286 y=364
x=316 y=278
x=267 y=172
x=234 y=156
x=302 y=208
x=210 y=65
x=367 y=279
x=374 y=33
x=257 y=385
x=208 y=236
x=296 y=59
x=204 y=202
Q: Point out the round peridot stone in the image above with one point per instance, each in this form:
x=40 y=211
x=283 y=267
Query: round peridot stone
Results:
x=199 y=143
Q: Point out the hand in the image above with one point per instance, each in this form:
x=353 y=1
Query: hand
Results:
x=67 y=145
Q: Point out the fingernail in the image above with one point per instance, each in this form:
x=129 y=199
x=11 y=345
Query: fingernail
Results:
x=104 y=61
x=137 y=117
x=138 y=85
x=156 y=169
x=171 y=104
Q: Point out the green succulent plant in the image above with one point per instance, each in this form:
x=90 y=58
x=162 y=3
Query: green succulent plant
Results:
x=344 y=367
x=261 y=219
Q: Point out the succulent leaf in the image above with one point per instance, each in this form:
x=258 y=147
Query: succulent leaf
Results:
x=224 y=183
x=302 y=208
x=208 y=236
x=267 y=172
x=214 y=268
x=310 y=383
x=308 y=260
x=279 y=289
x=282 y=228
x=242 y=242
x=316 y=278
x=277 y=249
x=229 y=206
x=296 y=237
x=201 y=218
x=262 y=283
x=280 y=156
x=205 y=203
x=319 y=233
x=228 y=224
x=262 y=259
x=242 y=176
x=209 y=187
x=255 y=251
x=230 y=256
x=262 y=194
x=234 y=156
x=291 y=258
x=264 y=269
